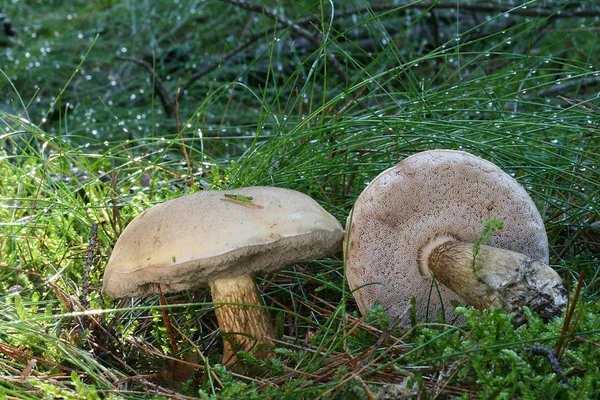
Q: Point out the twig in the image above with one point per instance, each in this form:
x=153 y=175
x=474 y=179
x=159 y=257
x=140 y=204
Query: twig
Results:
x=21 y=356
x=339 y=69
x=568 y=86
x=167 y=322
x=371 y=352
x=554 y=364
x=205 y=364
x=581 y=104
x=227 y=105
x=473 y=7
x=211 y=67
x=179 y=131
x=567 y=329
x=27 y=371
x=446 y=376
x=163 y=94
x=526 y=12
x=170 y=104
x=88 y=265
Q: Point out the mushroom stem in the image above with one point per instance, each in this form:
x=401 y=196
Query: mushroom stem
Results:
x=245 y=325
x=493 y=278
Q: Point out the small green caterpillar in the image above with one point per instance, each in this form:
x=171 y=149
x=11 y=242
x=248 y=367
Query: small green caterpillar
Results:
x=240 y=199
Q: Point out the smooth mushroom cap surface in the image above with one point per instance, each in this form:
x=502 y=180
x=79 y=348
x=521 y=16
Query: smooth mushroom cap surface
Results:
x=187 y=242
x=430 y=193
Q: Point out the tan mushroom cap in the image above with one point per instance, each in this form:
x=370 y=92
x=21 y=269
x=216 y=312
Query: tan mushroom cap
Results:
x=430 y=193
x=187 y=242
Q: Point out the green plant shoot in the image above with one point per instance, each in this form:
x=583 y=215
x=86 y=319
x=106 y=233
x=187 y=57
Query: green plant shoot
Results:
x=489 y=227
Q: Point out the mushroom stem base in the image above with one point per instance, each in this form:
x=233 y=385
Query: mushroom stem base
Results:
x=494 y=278
x=245 y=325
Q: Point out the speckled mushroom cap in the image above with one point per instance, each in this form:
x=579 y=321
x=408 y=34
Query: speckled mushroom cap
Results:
x=187 y=242
x=433 y=192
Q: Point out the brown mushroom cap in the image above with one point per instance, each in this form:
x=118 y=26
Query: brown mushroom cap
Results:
x=187 y=242
x=427 y=194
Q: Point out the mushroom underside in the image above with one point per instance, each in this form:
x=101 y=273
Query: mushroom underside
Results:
x=425 y=195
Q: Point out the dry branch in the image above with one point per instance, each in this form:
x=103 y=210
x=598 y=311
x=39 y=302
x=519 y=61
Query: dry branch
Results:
x=163 y=94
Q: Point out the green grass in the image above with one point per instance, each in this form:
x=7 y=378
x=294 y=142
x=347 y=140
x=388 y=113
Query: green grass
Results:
x=322 y=119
